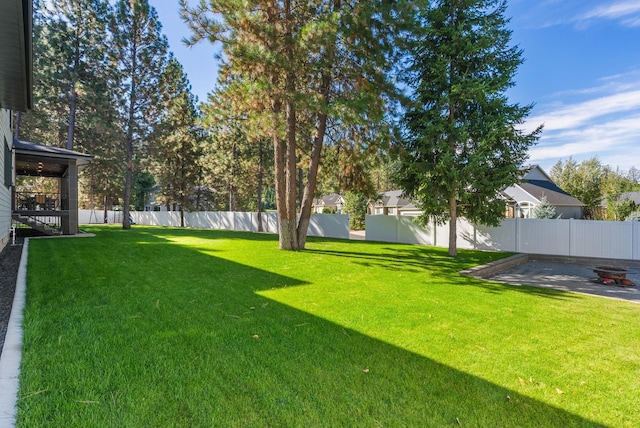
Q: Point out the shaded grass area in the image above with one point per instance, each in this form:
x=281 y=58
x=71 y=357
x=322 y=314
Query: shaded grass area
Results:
x=170 y=327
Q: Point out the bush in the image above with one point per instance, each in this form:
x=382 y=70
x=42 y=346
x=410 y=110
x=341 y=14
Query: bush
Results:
x=544 y=210
x=355 y=204
x=634 y=216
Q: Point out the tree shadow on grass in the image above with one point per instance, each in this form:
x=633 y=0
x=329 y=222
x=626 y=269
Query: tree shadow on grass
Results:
x=201 y=348
x=437 y=264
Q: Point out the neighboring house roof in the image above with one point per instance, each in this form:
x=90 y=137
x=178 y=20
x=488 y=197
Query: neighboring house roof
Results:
x=534 y=172
x=555 y=195
x=536 y=183
x=409 y=207
x=332 y=199
x=16 y=74
x=393 y=198
x=632 y=196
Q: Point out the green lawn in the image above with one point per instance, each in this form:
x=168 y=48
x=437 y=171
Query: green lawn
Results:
x=160 y=327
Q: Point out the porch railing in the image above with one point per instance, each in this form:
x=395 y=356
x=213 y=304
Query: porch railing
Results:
x=30 y=201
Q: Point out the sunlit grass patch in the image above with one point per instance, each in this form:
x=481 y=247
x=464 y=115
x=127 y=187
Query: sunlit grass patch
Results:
x=171 y=327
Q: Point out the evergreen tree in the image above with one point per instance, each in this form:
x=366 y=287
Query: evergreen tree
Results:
x=239 y=158
x=462 y=145
x=355 y=204
x=544 y=209
x=633 y=216
x=303 y=65
x=70 y=71
x=139 y=53
x=74 y=107
x=176 y=148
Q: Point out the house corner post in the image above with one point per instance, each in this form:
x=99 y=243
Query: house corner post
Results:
x=69 y=190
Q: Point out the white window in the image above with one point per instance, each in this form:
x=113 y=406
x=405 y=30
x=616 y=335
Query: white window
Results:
x=525 y=209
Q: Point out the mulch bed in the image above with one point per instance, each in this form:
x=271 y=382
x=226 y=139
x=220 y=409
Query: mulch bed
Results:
x=9 y=262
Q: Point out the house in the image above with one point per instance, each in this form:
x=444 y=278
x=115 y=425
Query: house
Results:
x=393 y=203
x=520 y=198
x=533 y=187
x=15 y=93
x=329 y=203
x=50 y=213
x=631 y=196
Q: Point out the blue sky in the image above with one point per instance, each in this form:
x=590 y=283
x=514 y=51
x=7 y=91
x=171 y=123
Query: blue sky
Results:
x=581 y=70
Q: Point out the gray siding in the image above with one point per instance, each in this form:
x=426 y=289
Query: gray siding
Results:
x=5 y=192
x=569 y=212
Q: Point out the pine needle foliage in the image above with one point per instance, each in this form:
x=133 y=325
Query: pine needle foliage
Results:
x=463 y=142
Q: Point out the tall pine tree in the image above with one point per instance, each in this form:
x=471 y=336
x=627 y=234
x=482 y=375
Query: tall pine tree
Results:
x=304 y=64
x=140 y=54
x=463 y=144
x=176 y=148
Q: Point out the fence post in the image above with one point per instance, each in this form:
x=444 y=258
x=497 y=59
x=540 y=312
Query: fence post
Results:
x=635 y=237
x=572 y=237
x=517 y=235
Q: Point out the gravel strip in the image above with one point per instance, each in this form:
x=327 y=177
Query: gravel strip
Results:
x=9 y=262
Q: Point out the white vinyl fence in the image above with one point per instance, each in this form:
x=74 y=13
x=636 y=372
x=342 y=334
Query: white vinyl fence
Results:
x=325 y=225
x=581 y=238
x=98 y=217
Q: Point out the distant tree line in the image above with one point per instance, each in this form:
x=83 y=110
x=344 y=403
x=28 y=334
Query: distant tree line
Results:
x=338 y=96
x=598 y=186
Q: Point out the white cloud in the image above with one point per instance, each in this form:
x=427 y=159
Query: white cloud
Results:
x=626 y=11
x=614 y=11
x=603 y=121
x=572 y=116
x=614 y=142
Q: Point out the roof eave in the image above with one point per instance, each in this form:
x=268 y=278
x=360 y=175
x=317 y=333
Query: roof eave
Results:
x=16 y=73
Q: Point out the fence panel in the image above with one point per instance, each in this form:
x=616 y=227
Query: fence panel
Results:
x=246 y=222
x=544 y=236
x=500 y=238
x=411 y=232
x=329 y=226
x=596 y=238
x=582 y=238
x=97 y=217
x=382 y=228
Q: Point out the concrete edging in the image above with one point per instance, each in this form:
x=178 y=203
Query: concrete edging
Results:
x=492 y=268
x=12 y=349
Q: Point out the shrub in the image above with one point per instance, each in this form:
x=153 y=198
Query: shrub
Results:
x=544 y=210
x=355 y=204
x=634 y=216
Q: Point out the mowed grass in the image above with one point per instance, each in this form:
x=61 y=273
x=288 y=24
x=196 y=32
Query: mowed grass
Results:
x=161 y=327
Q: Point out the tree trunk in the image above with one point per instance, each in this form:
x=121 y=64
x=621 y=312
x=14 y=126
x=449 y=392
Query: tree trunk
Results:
x=312 y=178
x=279 y=147
x=73 y=101
x=73 y=95
x=287 y=207
x=106 y=213
x=259 y=189
x=453 y=229
x=316 y=150
x=288 y=228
